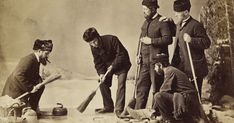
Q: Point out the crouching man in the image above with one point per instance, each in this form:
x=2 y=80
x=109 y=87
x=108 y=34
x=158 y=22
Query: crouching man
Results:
x=177 y=99
x=109 y=55
x=26 y=78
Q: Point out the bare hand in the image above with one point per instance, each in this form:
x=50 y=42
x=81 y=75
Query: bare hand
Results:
x=38 y=86
x=187 y=37
x=146 y=40
x=35 y=89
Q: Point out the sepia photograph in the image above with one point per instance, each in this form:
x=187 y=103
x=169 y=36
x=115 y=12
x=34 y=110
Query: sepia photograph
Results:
x=117 y=61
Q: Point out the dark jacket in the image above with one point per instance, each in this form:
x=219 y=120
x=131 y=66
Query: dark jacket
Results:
x=110 y=51
x=160 y=35
x=198 y=44
x=23 y=78
x=176 y=81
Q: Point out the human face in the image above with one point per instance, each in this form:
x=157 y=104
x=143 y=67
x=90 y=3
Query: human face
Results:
x=94 y=43
x=181 y=15
x=159 y=68
x=43 y=56
x=146 y=11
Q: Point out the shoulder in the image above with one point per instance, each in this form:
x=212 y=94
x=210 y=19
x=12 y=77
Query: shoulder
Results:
x=173 y=70
x=27 y=60
x=109 y=38
x=170 y=71
x=196 y=23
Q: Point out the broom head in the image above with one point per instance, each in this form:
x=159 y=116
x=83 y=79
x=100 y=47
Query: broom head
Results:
x=81 y=108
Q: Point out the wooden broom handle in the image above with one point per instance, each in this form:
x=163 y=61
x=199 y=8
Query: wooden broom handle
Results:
x=49 y=80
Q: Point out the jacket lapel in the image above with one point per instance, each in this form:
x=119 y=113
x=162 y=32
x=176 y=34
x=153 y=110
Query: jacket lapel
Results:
x=186 y=22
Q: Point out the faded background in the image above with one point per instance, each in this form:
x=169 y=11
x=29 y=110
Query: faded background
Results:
x=64 y=21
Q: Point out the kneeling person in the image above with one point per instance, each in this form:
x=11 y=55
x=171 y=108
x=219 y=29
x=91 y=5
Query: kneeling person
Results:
x=26 y=78
x=177 y=99
x=109 y=55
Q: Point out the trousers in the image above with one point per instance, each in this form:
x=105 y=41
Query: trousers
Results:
x=147 y=77
x=120 y=94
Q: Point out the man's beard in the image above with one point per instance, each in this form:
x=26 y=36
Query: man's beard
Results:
x=149 y=17
x=43 y=61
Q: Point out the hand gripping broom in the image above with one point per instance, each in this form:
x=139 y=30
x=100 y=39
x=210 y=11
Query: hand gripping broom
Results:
x=203 y=115
x=81 y=108
x=46 y=81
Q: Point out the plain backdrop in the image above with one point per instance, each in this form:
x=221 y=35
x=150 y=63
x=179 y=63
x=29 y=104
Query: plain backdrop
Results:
x=64 y=21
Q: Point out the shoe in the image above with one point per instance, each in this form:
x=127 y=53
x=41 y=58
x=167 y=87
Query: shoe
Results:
x=154 y=115
x=134 y=113
x=118 y=113
x=39 y=113
x=104 y=110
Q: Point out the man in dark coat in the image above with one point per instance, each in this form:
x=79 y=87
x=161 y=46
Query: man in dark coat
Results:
x=177 y=99
x=155 y=38
x=26 y=78
x=191 y=31
x=109 y=55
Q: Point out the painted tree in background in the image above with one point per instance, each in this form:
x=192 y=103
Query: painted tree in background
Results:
x=218 y=18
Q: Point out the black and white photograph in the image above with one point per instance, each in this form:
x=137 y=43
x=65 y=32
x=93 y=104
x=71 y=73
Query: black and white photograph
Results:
x=116 y=61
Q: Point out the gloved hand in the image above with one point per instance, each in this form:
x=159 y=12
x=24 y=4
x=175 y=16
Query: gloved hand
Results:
x=146 y=40
x=187 y=37
x=179 y=105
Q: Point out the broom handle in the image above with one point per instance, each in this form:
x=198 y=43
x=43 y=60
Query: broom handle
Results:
x=193 y=71
x=102 y=81
x=138 y=69
x=21 y=96
x=51 y=79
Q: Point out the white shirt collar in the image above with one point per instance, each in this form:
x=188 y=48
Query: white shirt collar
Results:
x=186 y=19
x=155 y=16
x=37 y=57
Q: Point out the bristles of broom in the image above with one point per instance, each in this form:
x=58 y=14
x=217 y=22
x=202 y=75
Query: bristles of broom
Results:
x=81 y=108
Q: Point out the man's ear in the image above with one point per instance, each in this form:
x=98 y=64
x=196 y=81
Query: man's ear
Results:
x=152 y=9
x=39 y=51
x=186 y=12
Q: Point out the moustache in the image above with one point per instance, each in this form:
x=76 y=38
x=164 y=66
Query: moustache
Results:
x=44 y=61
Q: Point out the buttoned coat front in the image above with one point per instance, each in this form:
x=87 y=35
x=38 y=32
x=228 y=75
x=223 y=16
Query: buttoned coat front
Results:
x=199 y=42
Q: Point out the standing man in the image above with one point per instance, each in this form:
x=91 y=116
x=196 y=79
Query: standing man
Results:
x=109 y=55
x=155 y=38
x=177 y=99
x=192 y=32
x=26 y=78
